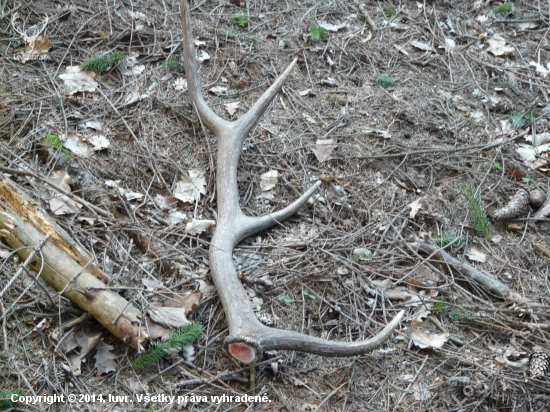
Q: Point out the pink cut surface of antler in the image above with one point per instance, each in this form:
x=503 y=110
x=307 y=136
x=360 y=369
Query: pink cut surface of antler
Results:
x=248 y=338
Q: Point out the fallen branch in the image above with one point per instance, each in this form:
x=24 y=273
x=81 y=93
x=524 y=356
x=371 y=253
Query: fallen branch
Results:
x=93 y=208
x=485 y=279
x=366 y=16
x=65 y=266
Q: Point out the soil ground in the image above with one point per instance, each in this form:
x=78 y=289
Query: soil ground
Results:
x=463 y=87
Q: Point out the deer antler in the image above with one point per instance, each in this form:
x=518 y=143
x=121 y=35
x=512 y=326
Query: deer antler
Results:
x=248 y=338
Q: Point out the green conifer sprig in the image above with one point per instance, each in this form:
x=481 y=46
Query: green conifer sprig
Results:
x=5 y=398
x=385 y=81
x=477 y=213
x=178 y=339
x=102 y=62
x=447 y=238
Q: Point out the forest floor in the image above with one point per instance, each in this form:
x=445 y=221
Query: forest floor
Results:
x=416 y=121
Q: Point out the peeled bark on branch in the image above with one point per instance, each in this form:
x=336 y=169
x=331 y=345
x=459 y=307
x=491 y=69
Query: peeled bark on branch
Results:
x=248 y=338
x=65 y=266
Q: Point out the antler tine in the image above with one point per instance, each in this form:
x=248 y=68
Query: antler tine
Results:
x=252 y=225
x=247 y=122
x=211 y=120
x=277 y=339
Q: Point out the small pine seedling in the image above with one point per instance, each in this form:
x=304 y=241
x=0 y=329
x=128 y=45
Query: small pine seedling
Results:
x=171 y=64
x=441 y=305
x=239 y=20
x=478 y=215
x=53 y=140
x=385 y=81
x=5 y=398
x=504 y=8
x=447 y=238
x=316 y=32
x=235 y=33
x=390 y=11
x=520 y=120
x=178 y=339
x=102 y=62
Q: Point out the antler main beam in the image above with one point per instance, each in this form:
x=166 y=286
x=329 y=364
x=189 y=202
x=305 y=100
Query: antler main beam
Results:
x=248 y=338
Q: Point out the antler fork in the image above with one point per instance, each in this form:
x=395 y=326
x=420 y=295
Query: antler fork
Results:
x=248 y=338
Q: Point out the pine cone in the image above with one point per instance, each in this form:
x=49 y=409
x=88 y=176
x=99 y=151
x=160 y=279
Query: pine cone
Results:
x=536 y=199
x=539 y=364
x=515 y=206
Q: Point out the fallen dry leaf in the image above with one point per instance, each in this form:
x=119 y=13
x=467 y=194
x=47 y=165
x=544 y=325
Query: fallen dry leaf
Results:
x=175 y=218
x=196 y=227
x=531 y=155
x=232 y=107
x=498 y=46
x=135 y=70
x=203 y=56
x=61 y=204
x=540 y=68
x=190 y=187
x=189 y=353
x=43 y=325
x=476 y=255
x=152 y=285
x=156 y=330
x=127 y=193
x=323 y=150
x=187 y=303
x=78 y=81
x=75 y=363
x=75 y=143
x=87 y=342
x=169 y=317
x=4 y=254
x=98 y=142
x=309 y=118
x=165 y=202
x=207 y=288
x=539 y=138
x=450 y=44
x=402 y=50
x=217 y=90
x=180 y=84
x=496 y=239
x=380 y=133
x=268 y=180
x=332 y=27
x=94 y=124
x=528 y=25
x=426 y=340
x=104 y=359
x=415 y=207
x=422 y=46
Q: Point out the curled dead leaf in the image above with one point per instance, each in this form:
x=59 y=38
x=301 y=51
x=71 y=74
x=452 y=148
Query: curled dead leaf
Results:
x=196 y=227
x=426 y=340
x=268 y=180
x=190 y=187
x=323 y=150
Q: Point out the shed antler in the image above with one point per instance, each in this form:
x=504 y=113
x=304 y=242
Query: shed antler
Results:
x=248 y=338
